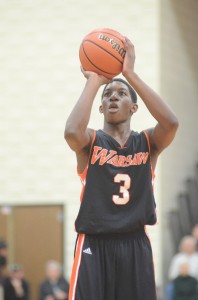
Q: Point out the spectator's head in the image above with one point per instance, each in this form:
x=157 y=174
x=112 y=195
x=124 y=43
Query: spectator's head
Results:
x=53 y=270
x=188 y=245
x=184 y=269
x=15 y=271
x=3 y=253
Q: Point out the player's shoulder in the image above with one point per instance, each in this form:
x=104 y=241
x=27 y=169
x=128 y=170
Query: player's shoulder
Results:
x=140 y=136
x=91 y=132
x=149 y=134
x=101 y=135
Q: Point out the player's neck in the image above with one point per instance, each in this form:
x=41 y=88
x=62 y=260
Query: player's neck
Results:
x=119 y=132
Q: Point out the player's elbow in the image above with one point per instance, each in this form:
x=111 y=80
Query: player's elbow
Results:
x=173 y=123
x=73 y=137
x=70 y=133
x=171 y=130
x=70 y=138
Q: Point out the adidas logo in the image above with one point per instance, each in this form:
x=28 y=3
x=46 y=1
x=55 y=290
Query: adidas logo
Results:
x=88 y=251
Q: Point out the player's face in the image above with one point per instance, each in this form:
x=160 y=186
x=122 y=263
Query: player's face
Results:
x=117 y=105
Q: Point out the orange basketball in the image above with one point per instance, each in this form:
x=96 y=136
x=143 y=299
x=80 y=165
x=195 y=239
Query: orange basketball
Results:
x=102 y=51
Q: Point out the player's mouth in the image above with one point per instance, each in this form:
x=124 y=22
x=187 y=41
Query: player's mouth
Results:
x=113 y=108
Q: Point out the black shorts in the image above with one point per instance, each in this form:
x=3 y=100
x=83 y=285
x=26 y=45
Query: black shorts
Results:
x=113 y=267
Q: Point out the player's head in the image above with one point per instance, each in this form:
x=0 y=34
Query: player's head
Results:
x=119 y=101
x=131 y=90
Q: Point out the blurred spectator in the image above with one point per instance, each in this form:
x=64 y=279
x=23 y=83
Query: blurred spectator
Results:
x=3 y=261
x=3 y=258
x=55 y=286
x=15 y=286
x=187 y=253
x=184 y=285
x=195 y=233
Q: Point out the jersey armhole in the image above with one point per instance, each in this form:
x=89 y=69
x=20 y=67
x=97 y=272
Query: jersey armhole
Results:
x=83 y=174
x=149 y=147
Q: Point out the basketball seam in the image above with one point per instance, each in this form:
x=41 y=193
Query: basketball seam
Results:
x=104 y=50
x=93 y=64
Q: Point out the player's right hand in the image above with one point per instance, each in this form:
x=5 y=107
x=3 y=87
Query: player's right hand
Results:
x=100 y=78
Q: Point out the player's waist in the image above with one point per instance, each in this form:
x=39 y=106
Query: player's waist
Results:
x=117 y=235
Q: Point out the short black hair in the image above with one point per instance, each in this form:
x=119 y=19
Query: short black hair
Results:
x=131 y=90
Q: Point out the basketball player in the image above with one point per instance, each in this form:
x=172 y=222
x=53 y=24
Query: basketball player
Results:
x=113 y=256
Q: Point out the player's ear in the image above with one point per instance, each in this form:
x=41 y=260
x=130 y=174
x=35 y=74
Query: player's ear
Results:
x=134 y=108
x=100 y=109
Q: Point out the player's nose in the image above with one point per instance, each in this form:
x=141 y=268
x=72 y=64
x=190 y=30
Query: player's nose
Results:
x=114 y=96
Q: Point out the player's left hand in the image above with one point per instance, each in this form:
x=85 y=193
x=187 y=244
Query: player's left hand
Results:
x=129 y=60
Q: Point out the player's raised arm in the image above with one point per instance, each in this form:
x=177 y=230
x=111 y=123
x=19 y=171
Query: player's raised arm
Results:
x=163 y=133
x=77 y=135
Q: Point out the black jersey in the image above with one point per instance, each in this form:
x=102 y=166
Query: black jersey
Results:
x=117 y=195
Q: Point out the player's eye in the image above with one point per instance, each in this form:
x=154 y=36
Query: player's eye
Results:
x=107 y=94
x=122 y=93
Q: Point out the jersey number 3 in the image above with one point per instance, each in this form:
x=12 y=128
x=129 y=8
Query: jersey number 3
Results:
x=124 y=189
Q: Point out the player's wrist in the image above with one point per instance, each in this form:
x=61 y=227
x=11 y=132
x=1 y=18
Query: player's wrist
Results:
x=130 y=76
x=95 y=80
